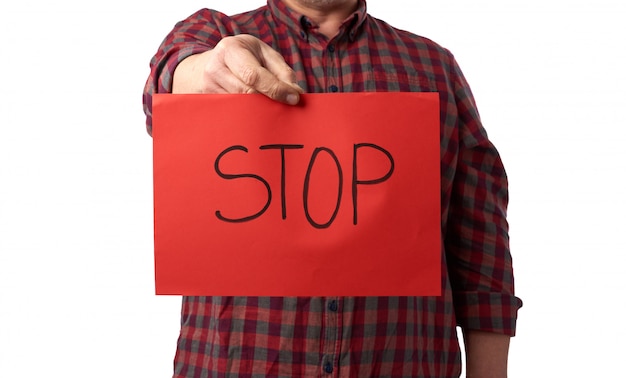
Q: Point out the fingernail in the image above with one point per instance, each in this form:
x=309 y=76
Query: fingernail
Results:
x=292 y=99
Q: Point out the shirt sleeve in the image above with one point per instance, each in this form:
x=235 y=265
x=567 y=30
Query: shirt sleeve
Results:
x=198 y=33
x=477 y=238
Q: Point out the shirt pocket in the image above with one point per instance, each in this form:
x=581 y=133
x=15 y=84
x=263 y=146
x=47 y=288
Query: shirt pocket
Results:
x=400 y=79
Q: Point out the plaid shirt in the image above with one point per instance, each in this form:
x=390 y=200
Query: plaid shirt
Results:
x=360 y=336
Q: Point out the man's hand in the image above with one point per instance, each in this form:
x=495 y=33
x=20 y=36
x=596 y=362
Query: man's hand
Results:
x=238 y=64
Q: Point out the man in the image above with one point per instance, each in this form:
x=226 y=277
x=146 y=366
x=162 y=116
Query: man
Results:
x=294 y=46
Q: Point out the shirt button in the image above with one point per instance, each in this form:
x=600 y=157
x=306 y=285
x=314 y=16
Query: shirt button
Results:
x=332 y=306
x=331 y=48
x=303 y=34
x=328 y=368
x=333 y=88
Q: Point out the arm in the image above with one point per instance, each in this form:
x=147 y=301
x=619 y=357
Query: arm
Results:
x=486 y=354
x=477 y=243
x=206 y=53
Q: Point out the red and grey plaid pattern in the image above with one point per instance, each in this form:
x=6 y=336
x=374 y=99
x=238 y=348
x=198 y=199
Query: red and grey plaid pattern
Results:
x=348 y=336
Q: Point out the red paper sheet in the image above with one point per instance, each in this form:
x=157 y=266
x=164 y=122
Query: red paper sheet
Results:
x=339 y=196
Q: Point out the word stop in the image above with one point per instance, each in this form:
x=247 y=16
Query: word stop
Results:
x=355 y=181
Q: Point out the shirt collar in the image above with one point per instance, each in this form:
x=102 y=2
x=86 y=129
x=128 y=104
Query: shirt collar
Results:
x=301 y=24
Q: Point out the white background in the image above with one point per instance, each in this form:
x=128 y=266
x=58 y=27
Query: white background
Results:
x=76 y=279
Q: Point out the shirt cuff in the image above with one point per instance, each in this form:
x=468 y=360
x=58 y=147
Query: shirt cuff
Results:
x=488 y=312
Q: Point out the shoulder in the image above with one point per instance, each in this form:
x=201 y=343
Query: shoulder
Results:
x=223 y=22
x=412 y=41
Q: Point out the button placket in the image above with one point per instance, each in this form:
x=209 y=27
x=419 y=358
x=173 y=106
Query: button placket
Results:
x=332 y=67
x=332 y=337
